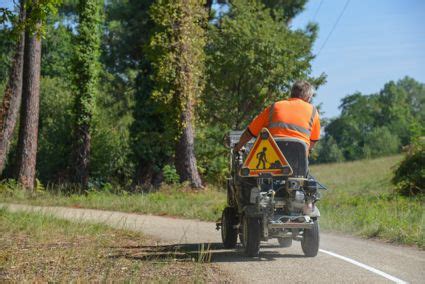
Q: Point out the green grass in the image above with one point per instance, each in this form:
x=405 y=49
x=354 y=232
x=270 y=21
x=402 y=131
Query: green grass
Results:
x=35 y=247
x=360 y=201
x=172 y=201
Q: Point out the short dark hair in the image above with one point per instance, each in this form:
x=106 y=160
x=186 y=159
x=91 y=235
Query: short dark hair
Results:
x=302 y=90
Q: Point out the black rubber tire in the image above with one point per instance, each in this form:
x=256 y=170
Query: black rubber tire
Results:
x=230 y=195
x=311 y=240
x=285 y=242
x=229 y=234
x=251 y=235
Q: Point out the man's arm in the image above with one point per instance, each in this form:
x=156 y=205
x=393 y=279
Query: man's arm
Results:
x=245 y=137
x=315 y=132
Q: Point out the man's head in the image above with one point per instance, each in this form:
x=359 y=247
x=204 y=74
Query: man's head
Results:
x=302 y=90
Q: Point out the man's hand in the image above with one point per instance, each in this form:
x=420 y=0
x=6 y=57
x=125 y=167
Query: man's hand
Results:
x=245 y=137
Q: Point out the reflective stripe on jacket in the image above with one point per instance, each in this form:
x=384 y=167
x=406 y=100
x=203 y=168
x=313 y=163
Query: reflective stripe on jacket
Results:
x=292 y=118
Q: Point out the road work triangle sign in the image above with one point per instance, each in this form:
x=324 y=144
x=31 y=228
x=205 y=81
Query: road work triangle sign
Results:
x=265 y=158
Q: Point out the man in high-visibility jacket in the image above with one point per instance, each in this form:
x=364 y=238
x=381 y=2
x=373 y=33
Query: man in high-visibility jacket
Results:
x=292 y=118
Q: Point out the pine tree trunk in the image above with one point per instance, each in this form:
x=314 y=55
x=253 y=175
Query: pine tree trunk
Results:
x=82 y=160
x=185 y=151
x=12 y=95
x=28 y=130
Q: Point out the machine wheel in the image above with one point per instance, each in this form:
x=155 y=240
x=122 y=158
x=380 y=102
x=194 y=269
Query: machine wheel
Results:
x=310 y=241
x=230 y=194
x=285 y=242
x=229 y=235
x=251 y=228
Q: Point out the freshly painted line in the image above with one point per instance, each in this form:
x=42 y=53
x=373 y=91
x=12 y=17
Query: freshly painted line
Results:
x=367 y=267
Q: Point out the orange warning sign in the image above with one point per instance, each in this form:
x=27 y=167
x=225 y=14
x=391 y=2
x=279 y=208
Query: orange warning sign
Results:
x=265 y=157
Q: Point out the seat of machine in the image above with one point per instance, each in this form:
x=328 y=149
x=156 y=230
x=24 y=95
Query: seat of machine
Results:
x=296 y=153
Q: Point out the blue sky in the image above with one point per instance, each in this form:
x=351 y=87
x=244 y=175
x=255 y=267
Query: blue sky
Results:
x=374 y=42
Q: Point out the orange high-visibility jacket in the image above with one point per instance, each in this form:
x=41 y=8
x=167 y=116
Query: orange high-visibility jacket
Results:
x=292 y=118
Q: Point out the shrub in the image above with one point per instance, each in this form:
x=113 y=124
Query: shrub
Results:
x=327 y=152
x=170 y=175
x=409 y=177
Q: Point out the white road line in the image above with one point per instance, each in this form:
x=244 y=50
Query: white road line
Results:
x=367 y=267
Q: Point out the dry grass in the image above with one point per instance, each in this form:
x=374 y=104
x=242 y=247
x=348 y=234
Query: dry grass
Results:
x=40 y=248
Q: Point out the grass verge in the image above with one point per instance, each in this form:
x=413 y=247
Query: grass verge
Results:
x=40 y=248
x=360 y=201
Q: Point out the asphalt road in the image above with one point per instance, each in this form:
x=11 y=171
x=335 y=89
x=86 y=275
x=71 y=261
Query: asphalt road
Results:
x=342 y=259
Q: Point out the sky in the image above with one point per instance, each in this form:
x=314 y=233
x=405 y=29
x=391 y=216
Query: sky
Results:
x=375 y=41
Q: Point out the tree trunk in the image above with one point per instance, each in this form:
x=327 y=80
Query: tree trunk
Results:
x=185 y=151
x=82 y=153
x=146 y=176
x=28 y=130
x=12 y=95
x=86 y=81
x=187 y=86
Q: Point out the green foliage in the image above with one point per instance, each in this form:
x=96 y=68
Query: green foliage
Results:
x=6 y=16
x=40 y=11
x=58 y=51
x=56 y=121
x=86 y=61
x=409 y=177
x=111 y=137
x=377 y=124
x=170 y=175
x=56 y=102
x=380 y=142
x=287 y=9
x=212 y=155
x=327 y=151
x=7 y=44
x=177 y=57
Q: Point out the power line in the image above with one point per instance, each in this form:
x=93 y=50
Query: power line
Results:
x=317 y=10
x=334 y=26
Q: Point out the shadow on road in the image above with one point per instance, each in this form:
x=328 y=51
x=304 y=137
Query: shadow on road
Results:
x=207 y=252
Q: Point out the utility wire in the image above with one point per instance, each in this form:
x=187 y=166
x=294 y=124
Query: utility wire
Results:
x=317 y=10
x=334 y=26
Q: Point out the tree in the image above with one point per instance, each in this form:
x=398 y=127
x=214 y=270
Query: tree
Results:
x=378 y=124
x=252 y=61
x=86 y=79
x=13 y=93
x=177 y=57
x=285 y=9
x=380 y=142
x=125 y=57
x=28 y=129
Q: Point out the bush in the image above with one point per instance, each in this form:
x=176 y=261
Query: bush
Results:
x=170 y=175
x=409 y=177
x=327 y=152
